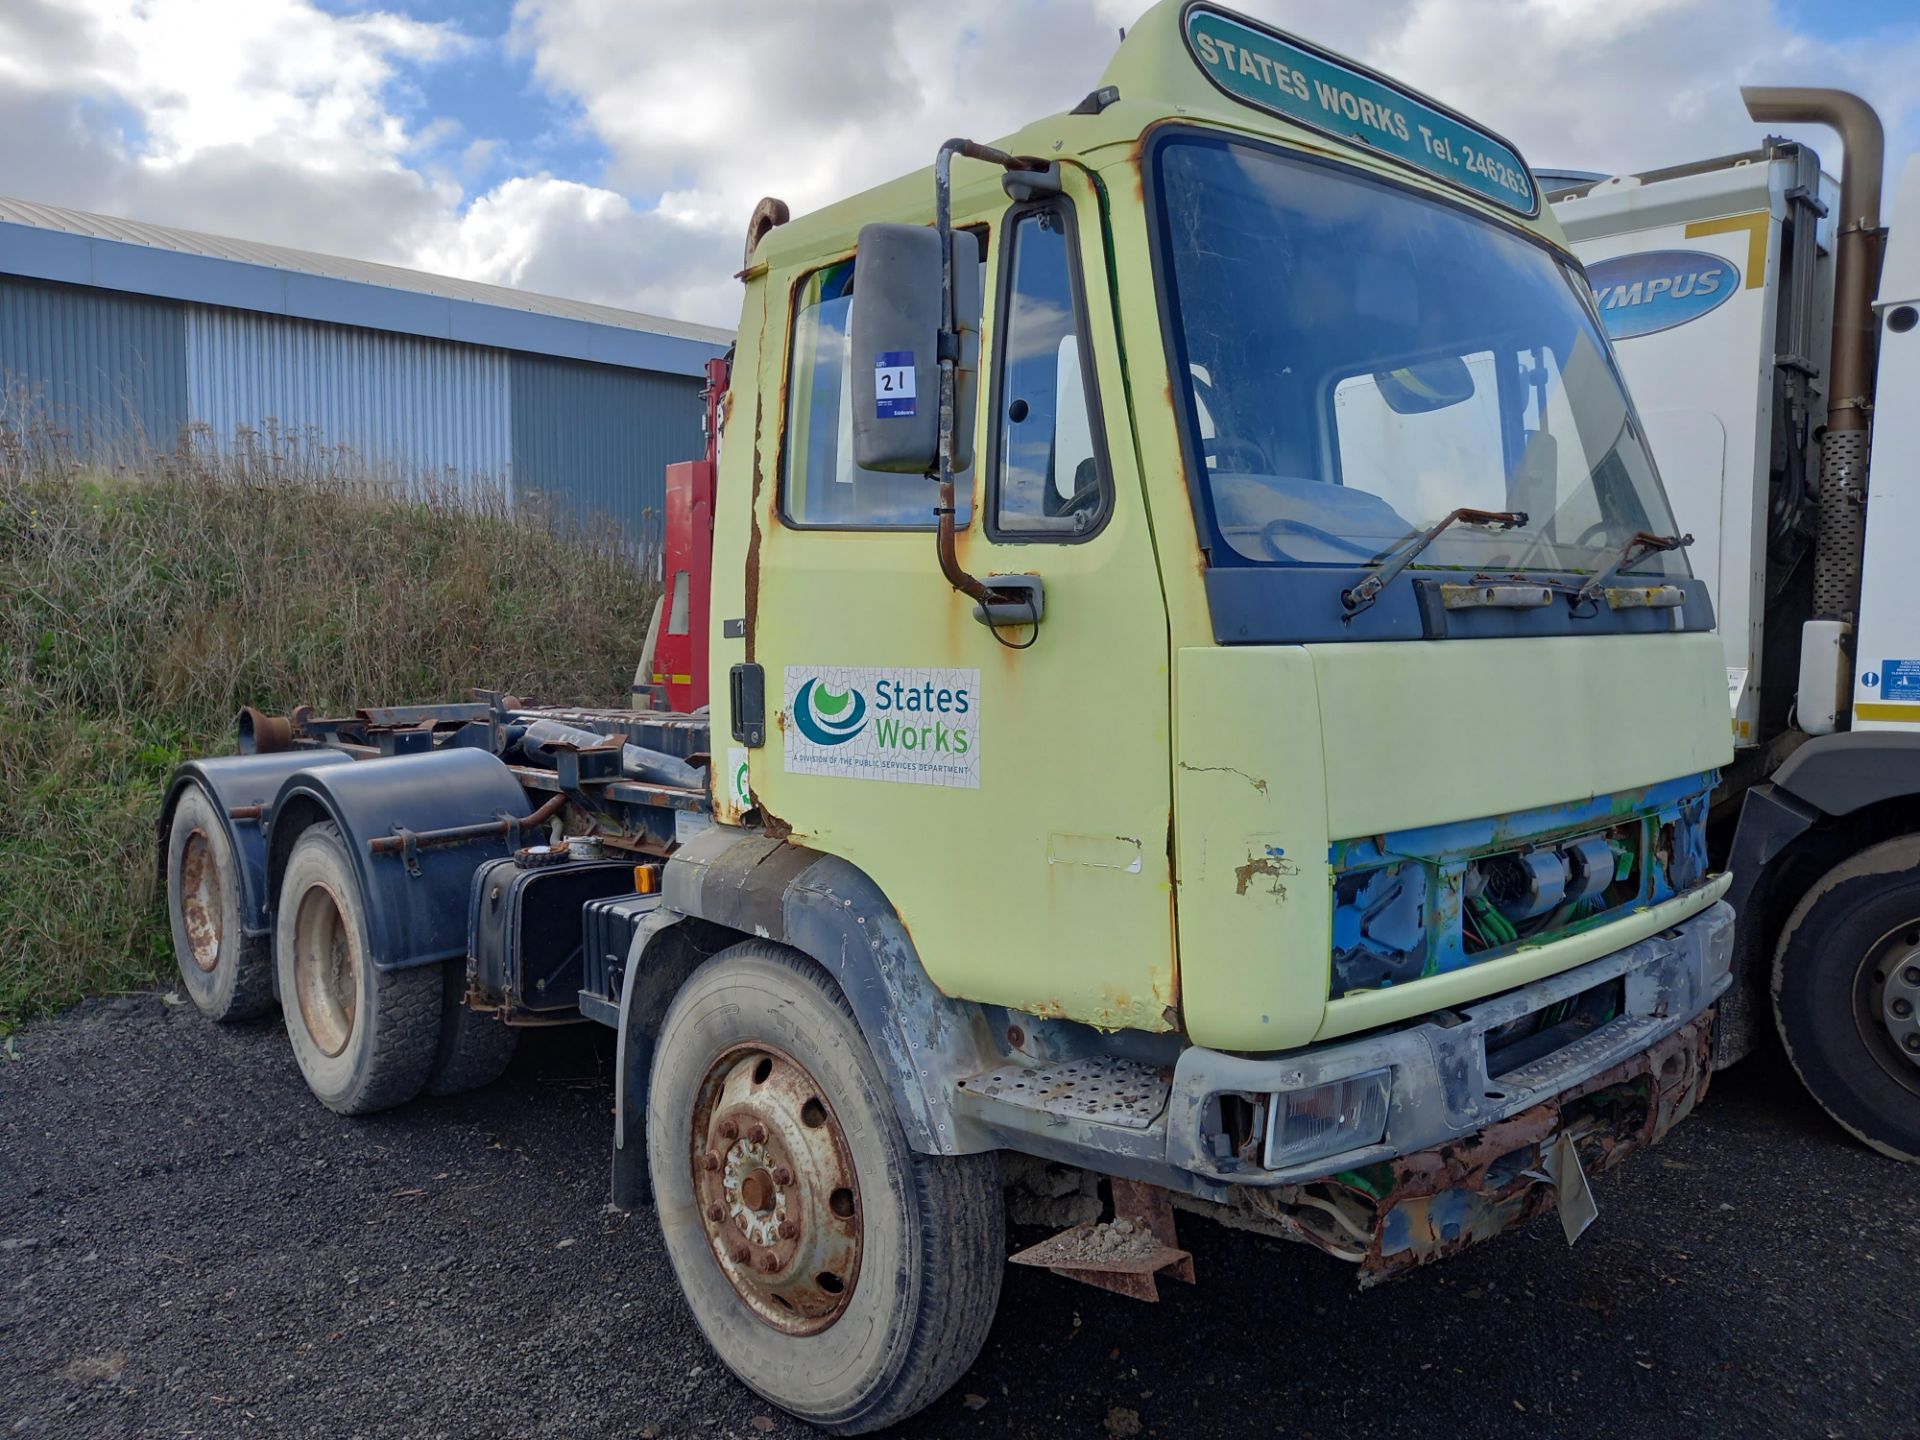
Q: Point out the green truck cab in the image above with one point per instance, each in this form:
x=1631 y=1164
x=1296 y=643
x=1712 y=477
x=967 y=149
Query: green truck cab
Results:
x=1217 y=720
x=1234 y=874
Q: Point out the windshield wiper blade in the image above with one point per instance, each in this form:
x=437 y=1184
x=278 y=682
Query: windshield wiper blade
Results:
x=1358 y=598
x=1640 y=544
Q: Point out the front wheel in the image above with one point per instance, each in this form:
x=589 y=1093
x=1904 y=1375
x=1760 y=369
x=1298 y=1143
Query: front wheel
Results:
x=840 y=1274
x=1846 y=992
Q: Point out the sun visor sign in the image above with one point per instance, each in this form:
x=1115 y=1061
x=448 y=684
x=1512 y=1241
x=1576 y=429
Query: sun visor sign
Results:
x=1264 y=69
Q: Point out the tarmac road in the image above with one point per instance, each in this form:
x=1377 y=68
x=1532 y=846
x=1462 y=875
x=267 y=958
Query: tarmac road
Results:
x=191 y=1246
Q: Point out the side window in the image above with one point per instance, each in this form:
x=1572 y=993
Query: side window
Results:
x=1049 y=481
x=821 y=484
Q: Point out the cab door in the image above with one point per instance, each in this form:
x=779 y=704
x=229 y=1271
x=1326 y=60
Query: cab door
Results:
x=1009 y=789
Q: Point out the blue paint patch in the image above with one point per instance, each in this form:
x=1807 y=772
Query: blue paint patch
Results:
x=1900 y=679
x=1647 y=293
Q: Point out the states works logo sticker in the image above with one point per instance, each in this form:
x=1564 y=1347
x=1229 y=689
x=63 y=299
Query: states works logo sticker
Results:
x=826 y=716
x=906 y=725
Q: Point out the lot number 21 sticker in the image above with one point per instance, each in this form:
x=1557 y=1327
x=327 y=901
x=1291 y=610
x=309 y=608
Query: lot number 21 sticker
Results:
x=893 y=384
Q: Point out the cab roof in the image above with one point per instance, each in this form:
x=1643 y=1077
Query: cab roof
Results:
x=1159 y=79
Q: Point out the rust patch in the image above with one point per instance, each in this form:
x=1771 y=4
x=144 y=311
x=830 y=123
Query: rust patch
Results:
x=1267 y=866
x=753 y=571
x=1397 y=1215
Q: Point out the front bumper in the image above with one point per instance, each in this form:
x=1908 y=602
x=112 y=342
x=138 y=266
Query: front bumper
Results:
x=1442 y=1089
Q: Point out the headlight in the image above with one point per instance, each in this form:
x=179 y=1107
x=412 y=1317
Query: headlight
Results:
x=1304 y=1125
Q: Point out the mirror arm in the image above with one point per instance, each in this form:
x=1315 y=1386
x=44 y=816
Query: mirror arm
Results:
x=969 y=585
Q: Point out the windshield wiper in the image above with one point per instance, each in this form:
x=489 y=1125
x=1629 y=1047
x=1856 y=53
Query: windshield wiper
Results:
x=1404 y=553
x=1639 y=545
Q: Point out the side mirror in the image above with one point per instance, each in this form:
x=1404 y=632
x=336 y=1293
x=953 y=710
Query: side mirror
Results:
x=898 y=313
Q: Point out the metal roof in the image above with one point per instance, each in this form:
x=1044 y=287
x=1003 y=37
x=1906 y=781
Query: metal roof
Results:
x=49 y=242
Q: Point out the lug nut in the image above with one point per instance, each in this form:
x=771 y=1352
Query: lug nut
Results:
x=1912 y=1042
x=1902 y=1008
x=1911 y=974
x=782 y=1176
x=758 y=1134
x=788 y=1229
x=769 y=1264
x=716 y=1213
x=741 y=1254
x=711 y=1161
x=729 y=1130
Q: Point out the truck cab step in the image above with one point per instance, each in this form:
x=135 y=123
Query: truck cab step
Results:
x=1105 y=1089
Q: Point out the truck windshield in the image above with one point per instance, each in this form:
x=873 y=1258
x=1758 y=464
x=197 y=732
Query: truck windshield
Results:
x=1360 y=360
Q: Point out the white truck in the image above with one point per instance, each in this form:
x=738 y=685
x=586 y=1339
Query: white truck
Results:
x=1769 y=329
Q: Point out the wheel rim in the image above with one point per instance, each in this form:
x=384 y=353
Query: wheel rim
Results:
x=326 y=969
x=774 y=1182
x=202 y=900
x=1886 y=1004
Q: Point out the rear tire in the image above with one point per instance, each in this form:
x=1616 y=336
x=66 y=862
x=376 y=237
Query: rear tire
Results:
x=365 y=1039
x=909 y=1248
x=228 y=973
x=1848 y=954
x=475 y=1048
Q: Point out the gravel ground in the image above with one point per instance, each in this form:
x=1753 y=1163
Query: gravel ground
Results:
x=191 y=1246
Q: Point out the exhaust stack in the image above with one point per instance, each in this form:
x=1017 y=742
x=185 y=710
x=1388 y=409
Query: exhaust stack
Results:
x=1856 y=272
x=1826 y=639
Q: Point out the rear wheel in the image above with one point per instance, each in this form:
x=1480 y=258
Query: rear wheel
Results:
x=842 y=1275
x=365 y=1039
x=1846 y=988
x=228 y=974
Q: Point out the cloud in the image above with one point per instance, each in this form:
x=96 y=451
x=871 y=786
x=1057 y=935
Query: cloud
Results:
x=560 y=237
x=282 y=121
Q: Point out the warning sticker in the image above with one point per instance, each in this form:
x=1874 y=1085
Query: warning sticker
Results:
x=893 y=384
x=1900 y=680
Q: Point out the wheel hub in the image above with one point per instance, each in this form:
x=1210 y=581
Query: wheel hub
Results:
x=202 y=902
x=1893 y=998
x=326 y=969
x=775 y=1185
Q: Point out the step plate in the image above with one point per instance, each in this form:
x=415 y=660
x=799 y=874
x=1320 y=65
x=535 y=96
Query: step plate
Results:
x=1106 y=1090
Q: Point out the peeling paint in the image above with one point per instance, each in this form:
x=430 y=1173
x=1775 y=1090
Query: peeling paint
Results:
x=1264 y=865
x=1254 y=781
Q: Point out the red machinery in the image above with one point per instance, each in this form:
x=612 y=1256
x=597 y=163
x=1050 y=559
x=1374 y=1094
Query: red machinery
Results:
x=680 y=653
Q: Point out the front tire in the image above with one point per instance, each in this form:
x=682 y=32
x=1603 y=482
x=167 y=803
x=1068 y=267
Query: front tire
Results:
x=228 y=974
x=842 y=1275
x=1846 y=992
x=365 y=1039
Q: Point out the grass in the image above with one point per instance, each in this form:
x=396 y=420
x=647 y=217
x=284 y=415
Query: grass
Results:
x=142 y=606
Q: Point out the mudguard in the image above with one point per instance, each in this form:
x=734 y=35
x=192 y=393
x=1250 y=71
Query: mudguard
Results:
x=922 y=1040
x=1829 y=777
x=416 y=900
x=242 y=782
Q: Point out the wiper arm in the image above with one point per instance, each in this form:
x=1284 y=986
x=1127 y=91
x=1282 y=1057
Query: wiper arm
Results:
x=1358 y=598
x=1639 y=545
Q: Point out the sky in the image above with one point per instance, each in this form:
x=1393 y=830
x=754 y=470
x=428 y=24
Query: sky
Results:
x=611 y=150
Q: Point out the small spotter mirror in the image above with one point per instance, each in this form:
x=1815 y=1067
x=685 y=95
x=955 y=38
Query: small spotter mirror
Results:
x=1425 y=385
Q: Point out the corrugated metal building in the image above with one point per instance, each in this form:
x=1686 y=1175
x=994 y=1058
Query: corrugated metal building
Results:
x=125 y=336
